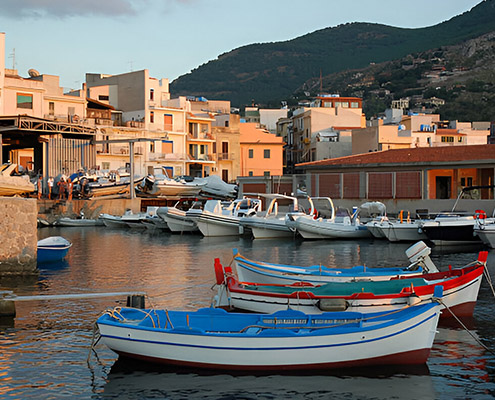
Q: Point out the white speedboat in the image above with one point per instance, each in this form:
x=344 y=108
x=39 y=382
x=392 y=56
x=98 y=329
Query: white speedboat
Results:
x=219 y=219
x=114 y=221
x=484 y=228
x=271 y=223
x=403 y=229
x=13 y=185
x=166 y=187
x=338 y=225
x=176 y=216
x=214 y=186
x=78 y=222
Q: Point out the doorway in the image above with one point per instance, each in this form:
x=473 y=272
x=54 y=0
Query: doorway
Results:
x=443 y=187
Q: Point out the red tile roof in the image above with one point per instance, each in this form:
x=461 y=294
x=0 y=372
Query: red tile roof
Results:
x=413 y=155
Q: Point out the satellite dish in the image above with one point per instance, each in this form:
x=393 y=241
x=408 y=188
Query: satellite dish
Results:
x=33 y=73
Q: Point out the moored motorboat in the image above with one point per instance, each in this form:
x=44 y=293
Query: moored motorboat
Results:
x=211 y=338
x=340 y=224
x=271 y=223
x=403 y=229
x=217 y=219
x=52 y=249
x=484 y=228
x=176 y=216
x=113 y=221
x=267 y=272
x=460 y=292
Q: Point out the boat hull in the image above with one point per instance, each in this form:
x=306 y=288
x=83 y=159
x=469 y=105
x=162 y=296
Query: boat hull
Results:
x=405 y=232
x=407 y=341
x=177 y=220
x=52 y=249
x=487 y=235
x=310 y=228
x=459 y=296
x=216 y=225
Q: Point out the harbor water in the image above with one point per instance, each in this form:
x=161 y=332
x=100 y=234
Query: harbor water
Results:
x=44 y=351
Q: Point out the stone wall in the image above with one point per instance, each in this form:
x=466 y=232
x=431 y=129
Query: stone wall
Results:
x=18 y=235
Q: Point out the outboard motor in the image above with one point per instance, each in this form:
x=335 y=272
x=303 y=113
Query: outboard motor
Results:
x=419 y=255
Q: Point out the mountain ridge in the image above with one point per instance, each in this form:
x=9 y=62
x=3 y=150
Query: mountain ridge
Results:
x=270 y=72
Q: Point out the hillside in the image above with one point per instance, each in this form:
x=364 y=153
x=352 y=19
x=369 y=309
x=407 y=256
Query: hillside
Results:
x=270 y=72
x=462 y=76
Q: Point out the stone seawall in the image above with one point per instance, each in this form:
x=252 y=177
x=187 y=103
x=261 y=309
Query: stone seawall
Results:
x=18 y=236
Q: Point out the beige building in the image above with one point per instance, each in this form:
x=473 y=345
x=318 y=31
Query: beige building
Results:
x=338 y=113
x=261 y=151
x=379 y=137
x=418 y=130
x=42 y=126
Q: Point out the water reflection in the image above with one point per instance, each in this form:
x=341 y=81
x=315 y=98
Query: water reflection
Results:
x=124 y=383
x=43 y=354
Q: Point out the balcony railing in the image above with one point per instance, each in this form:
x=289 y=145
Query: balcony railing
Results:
x=168 y=157
x=225 y=156
x=201 y=157
x=200 y=136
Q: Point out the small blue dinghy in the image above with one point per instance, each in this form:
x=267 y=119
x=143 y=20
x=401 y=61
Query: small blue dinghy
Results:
x=53 y=248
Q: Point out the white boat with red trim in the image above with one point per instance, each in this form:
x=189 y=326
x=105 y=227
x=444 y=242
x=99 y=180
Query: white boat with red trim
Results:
x=460 y=292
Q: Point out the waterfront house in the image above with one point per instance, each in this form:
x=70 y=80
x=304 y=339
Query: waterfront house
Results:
x=261 y=151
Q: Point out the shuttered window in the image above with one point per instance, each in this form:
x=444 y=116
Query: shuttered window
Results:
x=380 y=185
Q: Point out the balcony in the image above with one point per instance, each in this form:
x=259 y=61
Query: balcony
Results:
x=225 y=156
x=200 y=136
x=168 y=157
x=201 y=158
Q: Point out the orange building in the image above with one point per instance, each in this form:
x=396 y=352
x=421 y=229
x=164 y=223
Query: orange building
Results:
x=261 y=151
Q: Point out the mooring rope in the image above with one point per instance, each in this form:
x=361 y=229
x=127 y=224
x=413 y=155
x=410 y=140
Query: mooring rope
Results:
x=489 y=280
x=464 y=326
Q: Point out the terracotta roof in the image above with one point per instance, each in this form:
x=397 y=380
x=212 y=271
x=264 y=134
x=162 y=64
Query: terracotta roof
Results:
x=413 y=155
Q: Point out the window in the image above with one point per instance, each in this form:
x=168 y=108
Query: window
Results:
x=152 y=147
x=152 y=94
x=24 y=100
x=250 y=173
x=167 y=122
x=152 y=117
x=266 y=153
x=447 y=139
x=51 y=108
x=459 y=139
x=345 y=104
x=354 y=104
x=103 y=97
x=105 y=165
x=251 y=153
x=266 y=173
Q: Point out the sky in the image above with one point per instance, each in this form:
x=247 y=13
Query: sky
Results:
x=70 y=38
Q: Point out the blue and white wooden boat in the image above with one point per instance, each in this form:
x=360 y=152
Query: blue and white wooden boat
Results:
x=286 y=340
x=271 y=273
x=53 y=248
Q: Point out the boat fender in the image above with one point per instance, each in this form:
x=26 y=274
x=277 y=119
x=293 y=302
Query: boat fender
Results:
x=219 y=275
x=332 y=305
x=413 y=300
x=480 y=216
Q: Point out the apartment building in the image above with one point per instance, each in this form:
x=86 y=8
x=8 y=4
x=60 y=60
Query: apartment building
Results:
x=326 y=111
x=42 y=125
x=261 y=151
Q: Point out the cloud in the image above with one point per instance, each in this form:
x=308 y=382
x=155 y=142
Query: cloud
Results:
x=70 y=8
